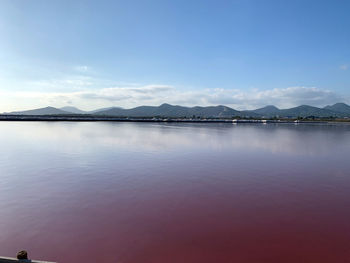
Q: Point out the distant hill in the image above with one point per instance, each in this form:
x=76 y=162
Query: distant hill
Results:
x=42 y=111
x=59 y=111
x=167 y=110
x=267 y=111
x=339 y=107
x=306 y=111
x=73 y=110
x=102 y=109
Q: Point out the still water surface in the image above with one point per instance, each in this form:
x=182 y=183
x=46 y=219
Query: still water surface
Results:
x=155 y=193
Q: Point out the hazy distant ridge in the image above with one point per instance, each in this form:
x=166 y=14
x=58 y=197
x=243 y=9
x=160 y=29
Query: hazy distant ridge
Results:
x=41 y=111
x=167 y=110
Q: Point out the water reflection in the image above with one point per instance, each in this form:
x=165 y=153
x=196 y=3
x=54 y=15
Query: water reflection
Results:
x=283 y=138
x=144 y=192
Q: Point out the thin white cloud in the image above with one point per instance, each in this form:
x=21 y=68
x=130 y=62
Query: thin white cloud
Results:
x=69 y=82
x=344 y=67
x=135 y=94
x=82 y=68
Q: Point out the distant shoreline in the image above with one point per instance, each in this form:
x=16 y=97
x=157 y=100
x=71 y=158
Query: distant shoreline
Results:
x=89 y=118
x=338 y=111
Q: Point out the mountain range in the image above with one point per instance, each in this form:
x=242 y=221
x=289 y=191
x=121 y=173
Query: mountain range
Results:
x=167 y=110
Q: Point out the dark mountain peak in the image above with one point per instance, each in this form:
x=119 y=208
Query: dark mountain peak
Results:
x=341 y=104
x=339 y=107
x=166 y=105
x=305 y=107
x=109 y=108
x=270 y=107
x=225 y=108
x=267 y=111
x=306 y=111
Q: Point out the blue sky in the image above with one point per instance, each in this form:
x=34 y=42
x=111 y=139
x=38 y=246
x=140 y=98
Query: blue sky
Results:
x=243 y=54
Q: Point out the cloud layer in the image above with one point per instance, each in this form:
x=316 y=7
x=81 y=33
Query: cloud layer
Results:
x=132 y=96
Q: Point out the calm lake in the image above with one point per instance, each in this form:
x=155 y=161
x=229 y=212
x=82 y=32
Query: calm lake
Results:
x=155 y=193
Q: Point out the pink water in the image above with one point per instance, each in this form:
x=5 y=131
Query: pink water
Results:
x=128 y=192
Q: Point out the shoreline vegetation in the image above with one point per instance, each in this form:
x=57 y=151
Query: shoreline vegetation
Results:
x=234 y=119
